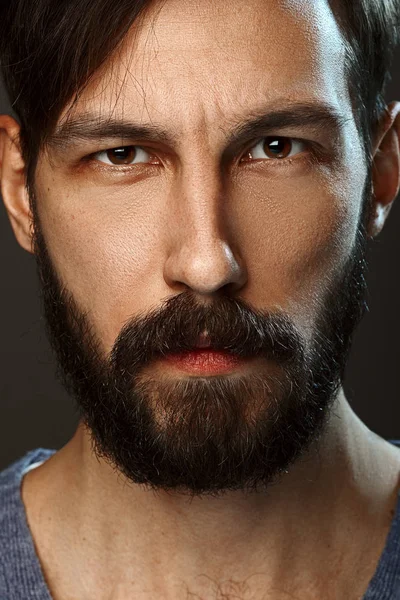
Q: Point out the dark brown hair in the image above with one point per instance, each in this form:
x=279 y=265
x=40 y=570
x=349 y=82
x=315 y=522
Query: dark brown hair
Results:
x=49 y=49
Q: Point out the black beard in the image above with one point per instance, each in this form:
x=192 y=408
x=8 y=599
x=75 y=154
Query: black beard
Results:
x=205 y=435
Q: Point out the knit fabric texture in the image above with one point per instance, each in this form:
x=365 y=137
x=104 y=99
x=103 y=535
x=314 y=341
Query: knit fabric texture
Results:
x=21 y=575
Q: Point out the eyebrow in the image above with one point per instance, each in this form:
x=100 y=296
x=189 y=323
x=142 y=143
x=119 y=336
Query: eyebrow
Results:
x=90 y=127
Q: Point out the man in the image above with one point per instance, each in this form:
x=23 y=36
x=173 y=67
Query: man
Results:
x=198 y=183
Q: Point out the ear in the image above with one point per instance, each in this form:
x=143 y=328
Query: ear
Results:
x=12 y=179
x=385 y=168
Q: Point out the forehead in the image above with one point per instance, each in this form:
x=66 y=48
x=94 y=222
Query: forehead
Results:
x=194 y=62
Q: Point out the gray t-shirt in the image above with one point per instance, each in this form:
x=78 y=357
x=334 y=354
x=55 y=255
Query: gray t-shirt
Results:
x=21 y=576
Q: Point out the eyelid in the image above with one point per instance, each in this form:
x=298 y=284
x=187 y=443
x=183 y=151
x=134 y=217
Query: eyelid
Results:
x=306 y=143
x=138 y=147
x=314 y=147
x=315 y=155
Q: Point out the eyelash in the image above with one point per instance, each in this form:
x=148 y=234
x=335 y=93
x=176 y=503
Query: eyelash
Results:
x=310 y=157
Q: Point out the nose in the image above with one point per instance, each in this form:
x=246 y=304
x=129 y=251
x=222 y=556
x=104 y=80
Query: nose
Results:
x=203 y=253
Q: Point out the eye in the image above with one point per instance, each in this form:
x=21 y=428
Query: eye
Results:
x=275 y=147
x=125 y=155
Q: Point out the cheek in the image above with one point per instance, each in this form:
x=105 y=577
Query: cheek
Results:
x=293 y=231
x=106 y=250
x=297 y=232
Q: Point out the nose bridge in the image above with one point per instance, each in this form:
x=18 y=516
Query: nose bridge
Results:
x=200 y=185
x=201 y=199
x=203 y=254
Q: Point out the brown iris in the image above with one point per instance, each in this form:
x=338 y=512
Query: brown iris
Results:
x=277 y=147
x=121 y=156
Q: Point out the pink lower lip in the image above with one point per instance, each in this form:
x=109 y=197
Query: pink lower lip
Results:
x=204 y=361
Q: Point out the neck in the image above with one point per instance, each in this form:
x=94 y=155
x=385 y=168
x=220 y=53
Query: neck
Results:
x=346 y=484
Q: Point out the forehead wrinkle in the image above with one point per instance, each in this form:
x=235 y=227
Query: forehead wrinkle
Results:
x=271 y=119
x=137 y=47
x=300 y=24
x=200 y=96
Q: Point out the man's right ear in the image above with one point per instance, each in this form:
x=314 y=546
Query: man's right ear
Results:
x=12 y=182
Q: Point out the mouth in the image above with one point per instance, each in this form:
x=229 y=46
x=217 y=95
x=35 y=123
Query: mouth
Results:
x=204 y=361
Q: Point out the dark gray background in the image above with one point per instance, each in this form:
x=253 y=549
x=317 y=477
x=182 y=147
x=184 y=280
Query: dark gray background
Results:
x=36 y=411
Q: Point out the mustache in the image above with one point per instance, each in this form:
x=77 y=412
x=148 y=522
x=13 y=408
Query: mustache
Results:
x=231 y=325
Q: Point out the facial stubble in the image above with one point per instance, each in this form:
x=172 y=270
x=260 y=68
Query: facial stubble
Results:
x=204 y=435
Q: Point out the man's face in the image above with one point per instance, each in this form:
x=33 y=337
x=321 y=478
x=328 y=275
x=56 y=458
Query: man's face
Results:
x=253 y=242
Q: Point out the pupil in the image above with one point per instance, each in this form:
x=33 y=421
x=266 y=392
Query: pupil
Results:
x=278 y=146
x=122 y=155
x=121 y=152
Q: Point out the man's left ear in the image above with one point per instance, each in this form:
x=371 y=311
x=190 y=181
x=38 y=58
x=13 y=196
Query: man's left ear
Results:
x=385 y=168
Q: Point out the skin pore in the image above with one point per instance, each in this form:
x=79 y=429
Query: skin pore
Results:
x=190 y=216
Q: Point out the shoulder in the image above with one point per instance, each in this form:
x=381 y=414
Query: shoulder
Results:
x=11 y=476
x=14 y=532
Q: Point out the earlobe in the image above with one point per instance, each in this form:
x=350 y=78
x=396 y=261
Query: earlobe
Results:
x=386 y=169
x=12 y=177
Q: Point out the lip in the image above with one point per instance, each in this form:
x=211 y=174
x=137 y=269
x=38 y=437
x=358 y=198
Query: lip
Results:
x=204 y=361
